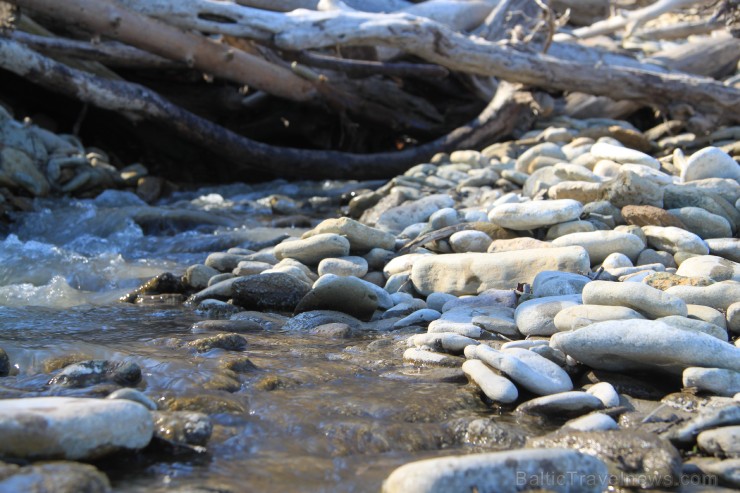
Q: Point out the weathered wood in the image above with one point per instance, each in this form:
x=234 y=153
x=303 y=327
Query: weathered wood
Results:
x=360 y=68
x=635 y=18
x=507 y=111
x=438 y=44
x=109 y=18
x=109 y=53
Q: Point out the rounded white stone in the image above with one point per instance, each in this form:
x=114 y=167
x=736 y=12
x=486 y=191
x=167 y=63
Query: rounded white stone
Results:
x=600 y=244
x=535 y=214
x=495 y=387
x=343 y=266
x=710 y=162
x=647 y=300
x=605 y=392
x=622 y=155
x=672 y=239
x=470 y=241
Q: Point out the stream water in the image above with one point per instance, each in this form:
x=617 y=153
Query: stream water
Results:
x=316 y=414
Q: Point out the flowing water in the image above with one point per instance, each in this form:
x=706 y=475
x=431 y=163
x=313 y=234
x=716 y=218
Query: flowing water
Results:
x=316 y=414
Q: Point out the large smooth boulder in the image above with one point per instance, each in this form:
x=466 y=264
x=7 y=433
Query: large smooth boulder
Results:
x=472 y=273
x=71 y=428
x=623 y=345
x=501 y=472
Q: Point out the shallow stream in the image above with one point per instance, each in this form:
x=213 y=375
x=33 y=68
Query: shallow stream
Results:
x=316 y=413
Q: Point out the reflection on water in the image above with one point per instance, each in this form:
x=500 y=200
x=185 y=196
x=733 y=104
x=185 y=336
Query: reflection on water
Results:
x=316 y=414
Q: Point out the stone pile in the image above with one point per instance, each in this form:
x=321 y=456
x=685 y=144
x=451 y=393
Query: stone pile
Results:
x=558 y=273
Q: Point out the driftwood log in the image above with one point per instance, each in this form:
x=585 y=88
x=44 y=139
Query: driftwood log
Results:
x=392 y=62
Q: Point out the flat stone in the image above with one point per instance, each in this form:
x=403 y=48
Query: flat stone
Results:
x=395 y=219
x=674 y=240
x=501 y=472
x=362 y=238
x=250 y=268
x=591 y=422
x=577 y=316
x=719 y=295
x=271 y=291
x=623 y=155
x=311 y=251
x=530 y=370
x=227 y=342
x=707 y=314
x=490 y=298
x=703 y=223
x=714 y=380
x=535 y=317
x=624 y=345
x=635 y=459
x=650 y=256
x=649 y=301
x=710 y=266
x=220 y=291
x=346 y=294
x=472 y=273
x=572 y=403
x=436 y=301
x=516 y=244
x=423 y=357
x=710 y=162
x=419 y=317
x=566 y=228
x=582 y=191
x=535 y=214
x=647 y=215
x=71 y=428
x=343 y=266
x=224 y=262
x=545 y=149
x=724 y=441
x=307 y=321
x=600 y=244
x=728 y=248
x=462 y=328
x=494 y=386
x=556 y=283
x=448 y=342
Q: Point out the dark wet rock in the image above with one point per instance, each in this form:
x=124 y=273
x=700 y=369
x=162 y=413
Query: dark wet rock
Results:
x=269 y=291
x=71 y=428
x=491 y=434
x=161 y=284
x=207 y=403
x=227 y=342
x=636 y=459
x=182 y=427
x=216 y=309
x=160 y=299
x=237 y=364
x=222 y=290
x=92 y=372
x=309 y=320
x=56 y=477
x=226 y=381
x=275 y=382
x=348 y=294
x=4 y=363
